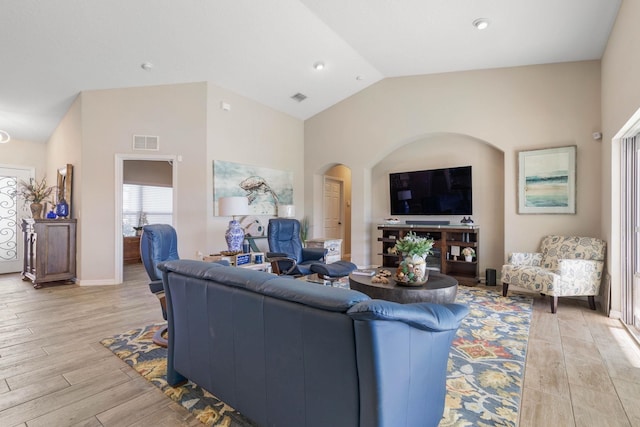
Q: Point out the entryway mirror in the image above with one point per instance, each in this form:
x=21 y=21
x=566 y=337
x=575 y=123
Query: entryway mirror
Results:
x=65 y=179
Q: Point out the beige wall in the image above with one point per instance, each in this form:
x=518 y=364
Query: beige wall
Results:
x=190 y=125
x=252 y=134
x=450 y=150
x=511 y=109
x=26 y=154
x=110 y=118
x=620 y=100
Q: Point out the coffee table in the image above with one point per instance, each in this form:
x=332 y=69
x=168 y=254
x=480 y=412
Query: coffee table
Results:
x=440 y=289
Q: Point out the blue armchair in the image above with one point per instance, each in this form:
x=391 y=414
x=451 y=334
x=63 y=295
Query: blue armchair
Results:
x=158 y=243
x=286 y=254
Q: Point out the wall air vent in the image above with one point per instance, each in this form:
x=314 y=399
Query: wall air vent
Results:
x=146 y=142
x=299 y=97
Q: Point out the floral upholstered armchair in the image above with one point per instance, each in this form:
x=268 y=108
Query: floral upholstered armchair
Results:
x=565 y=266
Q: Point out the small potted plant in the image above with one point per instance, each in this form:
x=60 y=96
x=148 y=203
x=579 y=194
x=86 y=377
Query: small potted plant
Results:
x=468 y=254
x=414 y=249
x=35 y=193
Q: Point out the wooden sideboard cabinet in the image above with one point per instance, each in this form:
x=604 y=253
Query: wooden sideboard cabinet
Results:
x=131 y=249
x=443 y=259
x=49 y=250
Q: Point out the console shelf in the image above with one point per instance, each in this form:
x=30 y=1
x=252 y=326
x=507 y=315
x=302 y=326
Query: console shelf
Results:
x=445 y=237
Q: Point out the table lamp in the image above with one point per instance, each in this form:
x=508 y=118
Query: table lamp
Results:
x=233 y=206
x=286 y=211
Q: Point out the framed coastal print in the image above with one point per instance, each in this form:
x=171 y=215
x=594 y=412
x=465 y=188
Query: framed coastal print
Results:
x=547 y=181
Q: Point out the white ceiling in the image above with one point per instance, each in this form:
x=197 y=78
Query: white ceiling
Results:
x=265 y=49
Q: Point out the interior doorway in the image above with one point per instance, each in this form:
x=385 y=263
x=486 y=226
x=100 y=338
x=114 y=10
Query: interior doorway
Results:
x=140 y=171
x=336 y=207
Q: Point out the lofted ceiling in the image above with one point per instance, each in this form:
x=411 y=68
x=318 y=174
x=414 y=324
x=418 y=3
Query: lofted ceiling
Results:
x=265 y=50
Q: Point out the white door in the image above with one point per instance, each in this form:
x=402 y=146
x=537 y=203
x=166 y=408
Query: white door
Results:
x=332 y=208
x=12 y=211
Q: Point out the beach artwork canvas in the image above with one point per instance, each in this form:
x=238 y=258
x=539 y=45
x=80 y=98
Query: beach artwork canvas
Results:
x=547 y=181
x=264 y=188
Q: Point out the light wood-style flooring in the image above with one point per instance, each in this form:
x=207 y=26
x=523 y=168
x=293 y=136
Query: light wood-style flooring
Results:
x=582 y=368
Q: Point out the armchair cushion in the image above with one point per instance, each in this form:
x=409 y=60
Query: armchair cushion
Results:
x=526 y=258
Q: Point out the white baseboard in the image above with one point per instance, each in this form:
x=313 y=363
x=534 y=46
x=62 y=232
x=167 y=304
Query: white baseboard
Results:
x=615 y=314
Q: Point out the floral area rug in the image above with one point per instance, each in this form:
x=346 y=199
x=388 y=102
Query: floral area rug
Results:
x=487 y=358
x=485 y=370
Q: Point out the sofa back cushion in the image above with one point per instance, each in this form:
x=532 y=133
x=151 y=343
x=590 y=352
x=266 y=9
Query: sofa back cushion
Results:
x=554 y=248
x=271 y=347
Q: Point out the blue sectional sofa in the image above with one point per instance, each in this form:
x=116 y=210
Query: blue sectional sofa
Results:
x=286 y=352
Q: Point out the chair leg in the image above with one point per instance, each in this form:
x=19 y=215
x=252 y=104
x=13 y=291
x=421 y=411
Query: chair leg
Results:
x=554 y=303
x=505 y=289
x=592 y=302
x=159 y=336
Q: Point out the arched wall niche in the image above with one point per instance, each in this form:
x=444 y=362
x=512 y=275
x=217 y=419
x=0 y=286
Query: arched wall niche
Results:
x=441 y=150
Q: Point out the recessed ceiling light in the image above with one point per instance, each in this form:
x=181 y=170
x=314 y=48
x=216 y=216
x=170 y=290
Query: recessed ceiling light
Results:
x=319 y=65
x=359 y=78
x=481 y=23
x=4 y=137
x=147 y=66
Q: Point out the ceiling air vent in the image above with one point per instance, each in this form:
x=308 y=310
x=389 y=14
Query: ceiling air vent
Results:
x=299 y=97
x=146 y=142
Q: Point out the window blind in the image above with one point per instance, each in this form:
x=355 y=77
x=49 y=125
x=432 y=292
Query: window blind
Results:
x=145 y=204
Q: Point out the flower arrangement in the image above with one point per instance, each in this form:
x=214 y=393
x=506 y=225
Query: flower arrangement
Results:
x=468 y=252
x=412 y=244
x=34 y=191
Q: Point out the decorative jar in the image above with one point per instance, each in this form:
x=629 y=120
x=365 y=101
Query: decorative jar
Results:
x=412 y=271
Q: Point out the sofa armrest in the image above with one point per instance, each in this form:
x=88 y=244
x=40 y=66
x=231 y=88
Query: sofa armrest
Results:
x=424 y=315
x=395 y=343
x=313 y=254
x=533 y=259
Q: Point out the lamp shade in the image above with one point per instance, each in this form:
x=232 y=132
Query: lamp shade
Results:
x=286 y=211
x=233 y=206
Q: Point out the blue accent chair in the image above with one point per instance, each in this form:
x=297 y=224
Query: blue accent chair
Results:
x=286 y=254
x=158 y=243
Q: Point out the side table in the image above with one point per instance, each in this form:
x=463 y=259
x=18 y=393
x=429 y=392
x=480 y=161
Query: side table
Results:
x=49 y=250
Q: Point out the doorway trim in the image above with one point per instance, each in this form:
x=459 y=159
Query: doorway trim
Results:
x=119 y=170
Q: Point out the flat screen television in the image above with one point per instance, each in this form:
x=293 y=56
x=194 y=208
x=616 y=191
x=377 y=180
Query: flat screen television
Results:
x=445 y=191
